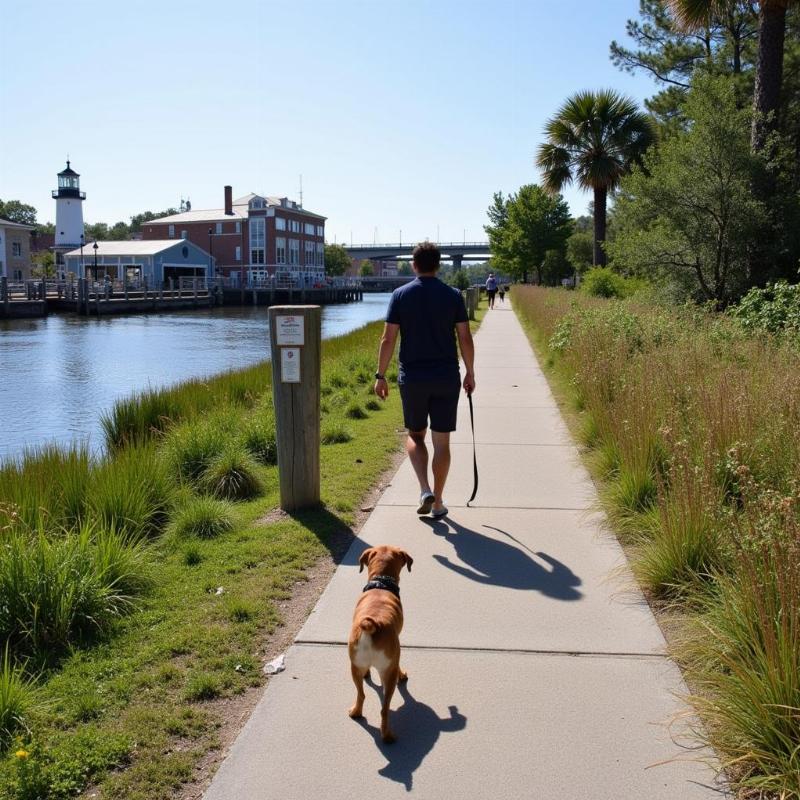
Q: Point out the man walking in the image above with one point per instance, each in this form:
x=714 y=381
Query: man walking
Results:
x=429 y=316
x=491 y=289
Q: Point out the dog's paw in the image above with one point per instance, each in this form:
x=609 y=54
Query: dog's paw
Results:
x=403 y=677
x=355 y=713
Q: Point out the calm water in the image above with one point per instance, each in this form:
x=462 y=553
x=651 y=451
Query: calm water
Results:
x=58 y=374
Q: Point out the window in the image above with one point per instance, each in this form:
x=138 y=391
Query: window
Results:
x=320 y=230
x=280 y=223
x=184 y=234
x=257 y=202
x=219 y=228
x=257 y=240
x=17 y=275
x=309 y=254
x=320 y=254
x=238 y=227
x=309 y=229
x=171 y=232
x=16 y=249
x=185 y=251
x=294 y=251
x=280 y=250
x=294 y=226
x=238 y=253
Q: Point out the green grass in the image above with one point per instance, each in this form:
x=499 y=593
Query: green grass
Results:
x=232 y=475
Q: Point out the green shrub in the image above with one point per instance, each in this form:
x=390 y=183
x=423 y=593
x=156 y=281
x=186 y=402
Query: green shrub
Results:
x=373 y=405
x=604 y=282
x=192 y=556
x=203 y=517
x=232 y=475
x=134 y=420
x=335 y=433
x=774 y=309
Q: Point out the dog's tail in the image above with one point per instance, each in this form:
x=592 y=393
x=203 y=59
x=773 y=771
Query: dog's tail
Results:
x=368 y=625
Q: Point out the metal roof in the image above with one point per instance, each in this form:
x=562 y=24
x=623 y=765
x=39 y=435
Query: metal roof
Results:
x=201 y=215
x=133 y=247
x=69 y=171
x=239 y=207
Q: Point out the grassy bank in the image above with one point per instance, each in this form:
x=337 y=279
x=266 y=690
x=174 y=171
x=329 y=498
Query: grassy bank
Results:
x=691 y=425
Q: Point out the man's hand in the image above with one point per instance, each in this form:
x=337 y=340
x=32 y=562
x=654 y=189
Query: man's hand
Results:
x=381 y=388
x=469 y=383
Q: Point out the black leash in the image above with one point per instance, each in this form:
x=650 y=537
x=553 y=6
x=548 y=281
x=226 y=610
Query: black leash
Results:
x=474 y=454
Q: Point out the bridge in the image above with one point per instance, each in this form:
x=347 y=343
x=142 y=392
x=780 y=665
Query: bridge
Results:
x=455 y=252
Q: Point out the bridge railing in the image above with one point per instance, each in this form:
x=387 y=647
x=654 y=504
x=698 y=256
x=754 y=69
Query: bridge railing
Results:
x=411 y=245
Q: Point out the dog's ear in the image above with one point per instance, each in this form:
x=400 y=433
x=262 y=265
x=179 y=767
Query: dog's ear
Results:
x=365 y=556
x=407 y=558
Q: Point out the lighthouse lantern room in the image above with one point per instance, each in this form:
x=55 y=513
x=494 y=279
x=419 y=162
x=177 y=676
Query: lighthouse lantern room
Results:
x=69 y=212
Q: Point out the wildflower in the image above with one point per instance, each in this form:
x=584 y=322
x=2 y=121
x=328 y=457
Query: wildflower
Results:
x=22 y=754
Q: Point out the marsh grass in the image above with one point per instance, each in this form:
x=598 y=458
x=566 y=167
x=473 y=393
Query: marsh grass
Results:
x=692 y=427
x=201 y=517
x=232 y=475
x=17 y=698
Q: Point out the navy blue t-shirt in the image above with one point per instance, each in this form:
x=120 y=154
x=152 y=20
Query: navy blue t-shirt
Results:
x=427 y=311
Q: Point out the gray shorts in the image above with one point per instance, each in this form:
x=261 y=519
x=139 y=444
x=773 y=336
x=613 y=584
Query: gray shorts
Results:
x=437 y=400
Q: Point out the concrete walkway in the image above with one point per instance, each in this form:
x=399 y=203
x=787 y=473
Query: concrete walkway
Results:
x=535 y=669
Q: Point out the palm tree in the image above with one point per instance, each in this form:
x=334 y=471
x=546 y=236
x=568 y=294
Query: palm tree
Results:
x=769 y=67
x=593 y=139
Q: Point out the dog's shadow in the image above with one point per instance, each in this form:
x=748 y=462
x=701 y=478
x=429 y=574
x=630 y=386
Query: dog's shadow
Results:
x=417 y=728
x=493 y=561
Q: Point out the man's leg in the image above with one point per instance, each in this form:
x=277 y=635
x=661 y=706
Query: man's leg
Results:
x=418 y=456
x=441 y=465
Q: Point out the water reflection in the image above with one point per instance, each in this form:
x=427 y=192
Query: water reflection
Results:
x=58 y=374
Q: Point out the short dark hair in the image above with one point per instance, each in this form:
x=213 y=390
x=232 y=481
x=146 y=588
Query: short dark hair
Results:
x=427 y=257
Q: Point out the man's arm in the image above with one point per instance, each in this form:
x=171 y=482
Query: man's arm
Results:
x=390 y=331
x=467 y=347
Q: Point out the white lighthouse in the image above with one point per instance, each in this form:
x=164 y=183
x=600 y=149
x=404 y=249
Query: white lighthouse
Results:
x=69 y=213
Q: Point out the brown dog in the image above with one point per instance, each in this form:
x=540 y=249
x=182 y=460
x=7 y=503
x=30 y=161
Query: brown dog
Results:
x=377 y=622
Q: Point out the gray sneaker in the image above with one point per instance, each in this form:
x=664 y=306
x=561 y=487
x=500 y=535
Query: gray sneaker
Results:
x=426 y=500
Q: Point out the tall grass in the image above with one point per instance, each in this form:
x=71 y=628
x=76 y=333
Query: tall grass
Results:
x=55 y=590
x=692 y=423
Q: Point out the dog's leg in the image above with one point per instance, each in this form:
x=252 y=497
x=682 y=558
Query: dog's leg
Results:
x=403 y=676
x=389 y=681
x=358 y=679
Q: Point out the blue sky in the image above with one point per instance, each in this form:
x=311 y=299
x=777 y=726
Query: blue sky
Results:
x=399 y=115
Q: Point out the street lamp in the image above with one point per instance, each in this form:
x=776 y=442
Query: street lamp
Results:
x=83 y=269
x=94 y=247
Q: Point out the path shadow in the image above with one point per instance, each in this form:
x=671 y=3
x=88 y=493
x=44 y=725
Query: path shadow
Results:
x=498 y=563
x=417 y=727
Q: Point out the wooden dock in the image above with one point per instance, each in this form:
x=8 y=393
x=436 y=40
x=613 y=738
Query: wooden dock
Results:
x=38 y=298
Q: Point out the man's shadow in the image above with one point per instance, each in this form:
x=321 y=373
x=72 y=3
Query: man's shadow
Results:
x=417 y=728
x=499 y=563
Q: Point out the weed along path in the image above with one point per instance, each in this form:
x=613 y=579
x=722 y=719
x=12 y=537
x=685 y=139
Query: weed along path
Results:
x=535 y=669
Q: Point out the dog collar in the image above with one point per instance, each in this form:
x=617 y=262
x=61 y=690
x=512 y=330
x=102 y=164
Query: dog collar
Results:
x=386 y=582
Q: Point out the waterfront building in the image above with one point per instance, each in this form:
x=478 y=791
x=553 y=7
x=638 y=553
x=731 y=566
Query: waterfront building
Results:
x=155 y=261
x=15 y=250
x=69 y=214
x=253 y=238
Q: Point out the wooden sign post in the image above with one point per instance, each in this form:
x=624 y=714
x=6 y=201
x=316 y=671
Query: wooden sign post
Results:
x=295 y=334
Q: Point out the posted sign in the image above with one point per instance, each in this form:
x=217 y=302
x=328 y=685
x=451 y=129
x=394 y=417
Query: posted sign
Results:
x=290 y=364
x=290 y=330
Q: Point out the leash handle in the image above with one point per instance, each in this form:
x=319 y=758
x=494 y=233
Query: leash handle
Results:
x=474 y=453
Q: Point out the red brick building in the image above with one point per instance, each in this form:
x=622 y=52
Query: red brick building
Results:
x=252 y=238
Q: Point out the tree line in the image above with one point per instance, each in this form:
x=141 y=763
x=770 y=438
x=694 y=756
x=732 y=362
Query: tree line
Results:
x=699 y=192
